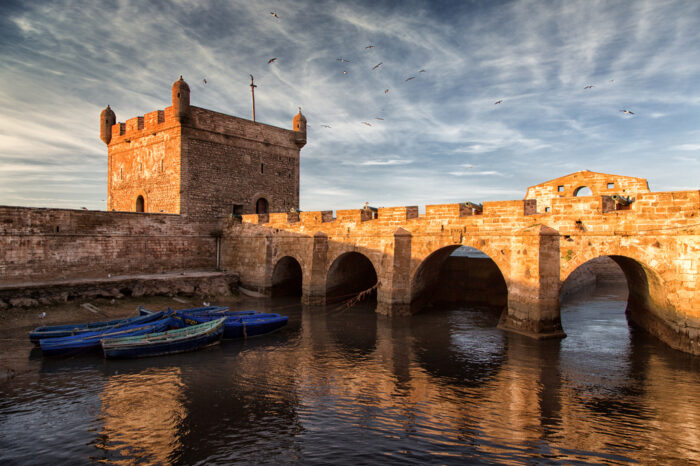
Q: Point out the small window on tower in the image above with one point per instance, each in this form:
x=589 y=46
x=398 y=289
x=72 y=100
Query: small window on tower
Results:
x=560 y=188
x=237 y=210
x=262 y=168
x=611 y=185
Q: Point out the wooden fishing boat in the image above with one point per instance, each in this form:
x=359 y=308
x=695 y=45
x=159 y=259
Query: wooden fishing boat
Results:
x=169 y=342
x=65 y=346
x=59 y=331
x=143 y=311
x=242 y=326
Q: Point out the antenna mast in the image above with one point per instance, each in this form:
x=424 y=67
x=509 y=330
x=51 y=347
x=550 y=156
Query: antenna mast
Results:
x=252 y=92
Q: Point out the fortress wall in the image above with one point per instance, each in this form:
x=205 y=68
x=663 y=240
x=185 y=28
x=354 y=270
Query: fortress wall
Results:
x=39 y=244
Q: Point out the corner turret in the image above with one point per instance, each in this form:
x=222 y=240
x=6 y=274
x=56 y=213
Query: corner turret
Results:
x=299 y=126
x=181 y=99
x=107 y=119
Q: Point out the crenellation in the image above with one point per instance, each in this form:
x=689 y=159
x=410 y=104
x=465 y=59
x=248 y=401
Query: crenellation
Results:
x=353 y=215
x=316 y=217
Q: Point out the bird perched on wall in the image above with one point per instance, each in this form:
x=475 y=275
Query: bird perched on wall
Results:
x=271 y=60
x=627 y=112
x=377 y=65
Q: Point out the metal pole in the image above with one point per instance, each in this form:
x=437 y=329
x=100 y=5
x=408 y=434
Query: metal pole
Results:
x=252 y=92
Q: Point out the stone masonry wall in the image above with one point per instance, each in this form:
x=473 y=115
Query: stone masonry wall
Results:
x=52 y=244
x=144 y=160
x=229 y=160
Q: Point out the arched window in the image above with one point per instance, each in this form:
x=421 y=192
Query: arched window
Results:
x=140 y=204
x=261 y=206
x=583 y=191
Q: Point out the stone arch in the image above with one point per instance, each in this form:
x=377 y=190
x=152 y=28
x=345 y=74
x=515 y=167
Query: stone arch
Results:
x=350 y=273
x=140 y=203
x=287 y=277
x=262 y=206
x=430 y=274
x=583 y=191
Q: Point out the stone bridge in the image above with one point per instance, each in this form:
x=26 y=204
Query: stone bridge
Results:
x=535 y=243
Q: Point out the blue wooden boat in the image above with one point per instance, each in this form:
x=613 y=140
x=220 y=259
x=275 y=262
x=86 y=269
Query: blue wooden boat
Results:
x=64 y=346
x=242 y=326
x=172 y=341
x=59 y=331
x=143 y=311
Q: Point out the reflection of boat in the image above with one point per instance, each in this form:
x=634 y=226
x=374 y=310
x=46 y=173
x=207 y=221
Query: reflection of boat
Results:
x=241 y=326
x=169 y=342
x=90 y=340
x=58 y=331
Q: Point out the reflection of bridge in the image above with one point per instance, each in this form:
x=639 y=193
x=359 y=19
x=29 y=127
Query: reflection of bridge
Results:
x=536 y=244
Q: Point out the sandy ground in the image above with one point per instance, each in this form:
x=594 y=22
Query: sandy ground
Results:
x=16 y=355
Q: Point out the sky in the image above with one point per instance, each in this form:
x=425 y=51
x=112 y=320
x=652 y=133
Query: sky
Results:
x=437 y=138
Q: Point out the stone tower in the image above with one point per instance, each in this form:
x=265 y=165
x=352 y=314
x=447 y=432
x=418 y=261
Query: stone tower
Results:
x=200 y=163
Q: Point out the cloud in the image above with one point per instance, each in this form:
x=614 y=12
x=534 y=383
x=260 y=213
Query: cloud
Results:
x=686 y=147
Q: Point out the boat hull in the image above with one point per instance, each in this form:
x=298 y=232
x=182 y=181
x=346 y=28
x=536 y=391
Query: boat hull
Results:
x=242 y=326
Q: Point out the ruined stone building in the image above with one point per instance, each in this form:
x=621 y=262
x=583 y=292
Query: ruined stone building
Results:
x=199 y=163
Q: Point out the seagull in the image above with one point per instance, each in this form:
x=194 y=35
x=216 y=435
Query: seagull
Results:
x=205 y=80
x=342 y=60
x=612 y=81
x=369 y=47
x=206 y=304
x=274 y=14
x=412 y=77
x=42 y=315
x=377 y=65
x=271 y=60
x=627 y=112
x=497 y=102
x=345 y=71
x=326 y=126
x=589 y=87
x=365 y=123
x=379 y=118
x=422 y=71
x=386 y=91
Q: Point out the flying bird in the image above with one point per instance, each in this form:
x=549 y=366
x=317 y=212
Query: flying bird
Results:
x=627 y=112
x=205 y=80
x=365 y=123
x=589 y=87
x=377 y=65
x=409 y=78
x=369 y=47
x=326 y=126
x=497 y=102
x=271 y=60
x=386 y=91
x=345 y=71
x=379 y=118
x=342 y=60
x=274 y=14
x=422 y=71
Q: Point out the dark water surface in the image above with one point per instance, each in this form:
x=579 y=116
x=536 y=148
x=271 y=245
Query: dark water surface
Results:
x=351 y=387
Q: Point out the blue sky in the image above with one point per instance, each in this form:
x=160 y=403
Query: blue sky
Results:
x=442 y=137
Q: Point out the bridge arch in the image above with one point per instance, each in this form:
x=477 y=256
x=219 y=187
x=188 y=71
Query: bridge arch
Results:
x=350 y=273
x=287 y=277
x=467 y=276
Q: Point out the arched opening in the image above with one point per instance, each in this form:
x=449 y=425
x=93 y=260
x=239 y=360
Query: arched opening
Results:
x=286 y=278
x=261 y=206
x=351 y=274
x=459 y=275
x=583 y=191
x=140 y=204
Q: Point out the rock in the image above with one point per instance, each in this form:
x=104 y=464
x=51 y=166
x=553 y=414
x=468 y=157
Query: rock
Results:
x=3 y=304
x=23 y=302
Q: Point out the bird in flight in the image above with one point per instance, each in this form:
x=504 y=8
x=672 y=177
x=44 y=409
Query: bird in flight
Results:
x=627 y=112
x=497 y=102
x=377 y=65
x=409 y=78
x=589 y=87
x=365 y=123
x=271 y=60
x=205 y=80
x=345 y=71
x=342 y=60
x=274 y=14
x=386 y=91
x=326 y=126
x=422 y=71
x=369 y=47
x=379 y=118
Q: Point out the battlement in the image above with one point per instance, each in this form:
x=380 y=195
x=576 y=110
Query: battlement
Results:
x=144 y=125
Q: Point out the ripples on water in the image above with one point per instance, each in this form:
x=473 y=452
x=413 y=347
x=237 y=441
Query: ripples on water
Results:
x=339 y=387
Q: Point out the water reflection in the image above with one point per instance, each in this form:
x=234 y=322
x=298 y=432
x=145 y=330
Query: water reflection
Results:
x=339 y=387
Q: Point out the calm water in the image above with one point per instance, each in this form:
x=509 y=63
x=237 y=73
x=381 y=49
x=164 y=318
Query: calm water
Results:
x=341 y=387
